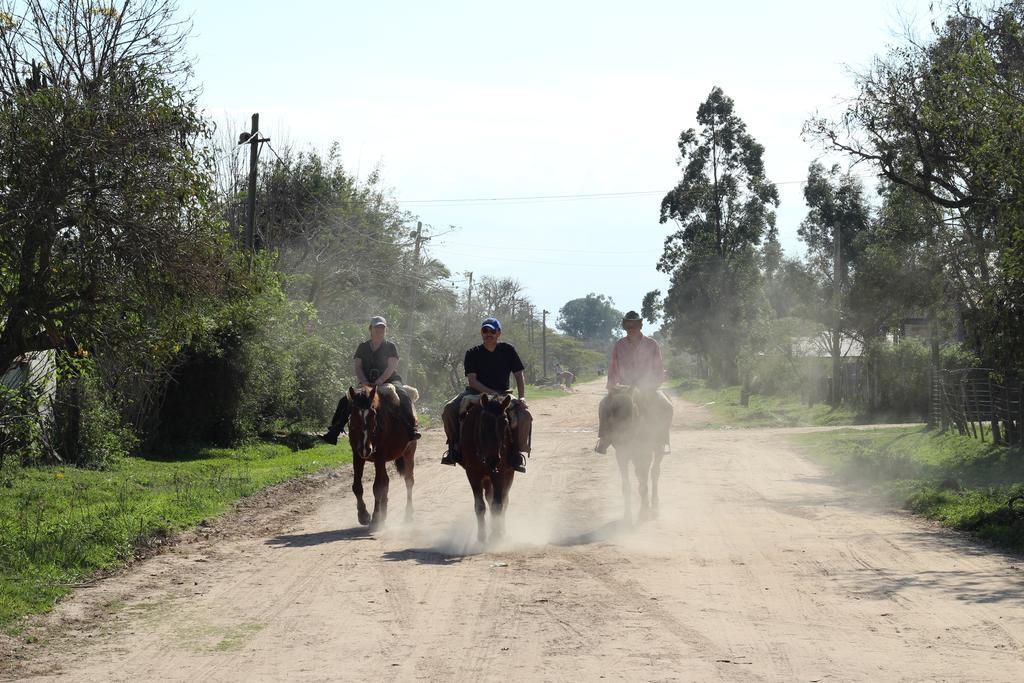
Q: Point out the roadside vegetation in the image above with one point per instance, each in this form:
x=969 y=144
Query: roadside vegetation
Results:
x=903 y=276
x=959 y=481
x=60 y=525
x=762 y=410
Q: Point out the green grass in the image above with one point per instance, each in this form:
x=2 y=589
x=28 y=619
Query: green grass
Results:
x=959 y=481
x=763 y=411
x=58 y=525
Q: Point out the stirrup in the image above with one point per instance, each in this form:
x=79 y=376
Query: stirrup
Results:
x=451 y=457
x=520 y=462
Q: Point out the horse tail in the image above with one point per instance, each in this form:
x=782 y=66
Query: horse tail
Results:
x=400 y=464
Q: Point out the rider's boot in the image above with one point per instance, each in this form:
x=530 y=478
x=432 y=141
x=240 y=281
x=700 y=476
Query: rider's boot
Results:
x=410 y=427
x=452 y=455
x=331 y=436
x=338 y=423
x=517 y=461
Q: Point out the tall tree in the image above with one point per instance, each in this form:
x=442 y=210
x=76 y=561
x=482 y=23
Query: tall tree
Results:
x=724 y=207
x=942 y=118
x=592 y=319
x=650 y=308
x=104 y=188
x=837 y=214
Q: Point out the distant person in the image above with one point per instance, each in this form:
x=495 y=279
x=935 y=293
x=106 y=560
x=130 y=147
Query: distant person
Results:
x=487 y=368
x=375 y=363
x=636 y=362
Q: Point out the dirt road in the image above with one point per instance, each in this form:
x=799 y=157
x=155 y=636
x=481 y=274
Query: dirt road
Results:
x=759 y=568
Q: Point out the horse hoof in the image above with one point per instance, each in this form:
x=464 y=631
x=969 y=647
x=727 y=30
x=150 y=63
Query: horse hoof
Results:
x=364 y=518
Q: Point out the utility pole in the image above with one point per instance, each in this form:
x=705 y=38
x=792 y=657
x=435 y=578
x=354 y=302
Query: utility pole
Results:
x=469 y=295
x=413 y=288
x=253 y=139
x=837 y=304
x=544 y=342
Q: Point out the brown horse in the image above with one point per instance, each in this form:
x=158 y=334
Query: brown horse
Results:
x=378 y=435
x=633 y=438
x=485 y=440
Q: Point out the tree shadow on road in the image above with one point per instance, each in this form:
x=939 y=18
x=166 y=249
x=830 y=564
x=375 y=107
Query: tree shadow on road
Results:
x=972 y=586
x=318 y=538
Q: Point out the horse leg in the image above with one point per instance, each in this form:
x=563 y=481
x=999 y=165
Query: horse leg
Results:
x=405 y=467
x=627 y=495
x=479 y=506
x=642 y=464
x=499 y=502
x=655 y=475
x=380 y=495
x=357 y=489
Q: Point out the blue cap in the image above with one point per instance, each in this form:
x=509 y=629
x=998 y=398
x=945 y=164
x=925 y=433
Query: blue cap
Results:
x=491 y=323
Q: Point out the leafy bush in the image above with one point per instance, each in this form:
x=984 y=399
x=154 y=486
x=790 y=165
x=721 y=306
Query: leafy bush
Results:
x=21 y=426
x=104 y=438
x=266 y=364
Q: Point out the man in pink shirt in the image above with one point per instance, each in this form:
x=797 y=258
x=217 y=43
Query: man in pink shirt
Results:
x=636 y=362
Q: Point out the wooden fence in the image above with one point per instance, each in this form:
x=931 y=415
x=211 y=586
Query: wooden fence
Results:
x=975 y=405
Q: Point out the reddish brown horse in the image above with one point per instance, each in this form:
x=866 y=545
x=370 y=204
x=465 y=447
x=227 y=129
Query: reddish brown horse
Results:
x=485 y=441
x=633 y=437
x=378 y=435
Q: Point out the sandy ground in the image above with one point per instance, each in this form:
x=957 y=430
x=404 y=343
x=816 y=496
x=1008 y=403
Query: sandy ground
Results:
x=759 y=568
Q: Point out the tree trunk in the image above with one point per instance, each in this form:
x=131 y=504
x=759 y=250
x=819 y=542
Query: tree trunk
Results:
x=837 y=368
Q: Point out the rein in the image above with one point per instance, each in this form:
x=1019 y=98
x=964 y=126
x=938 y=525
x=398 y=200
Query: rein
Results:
x=503 y=438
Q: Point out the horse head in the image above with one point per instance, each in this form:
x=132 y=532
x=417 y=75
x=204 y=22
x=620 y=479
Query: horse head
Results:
x=494 y=429
x=623 y=410
x=365 y=407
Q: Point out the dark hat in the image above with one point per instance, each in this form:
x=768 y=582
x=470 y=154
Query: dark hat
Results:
x=632 y=315
x=491 y=324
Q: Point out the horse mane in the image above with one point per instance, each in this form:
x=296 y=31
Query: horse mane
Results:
x=479 y=410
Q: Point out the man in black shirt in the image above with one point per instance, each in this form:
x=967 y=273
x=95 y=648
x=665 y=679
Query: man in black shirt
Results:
x=488 y=367
x=376 y=363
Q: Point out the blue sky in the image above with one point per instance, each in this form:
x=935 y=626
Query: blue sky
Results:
x=477 y=100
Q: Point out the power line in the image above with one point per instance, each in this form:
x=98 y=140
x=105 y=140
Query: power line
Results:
x=502 y=247
x=580 y=196
x=590 y=195
x=558 y=263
